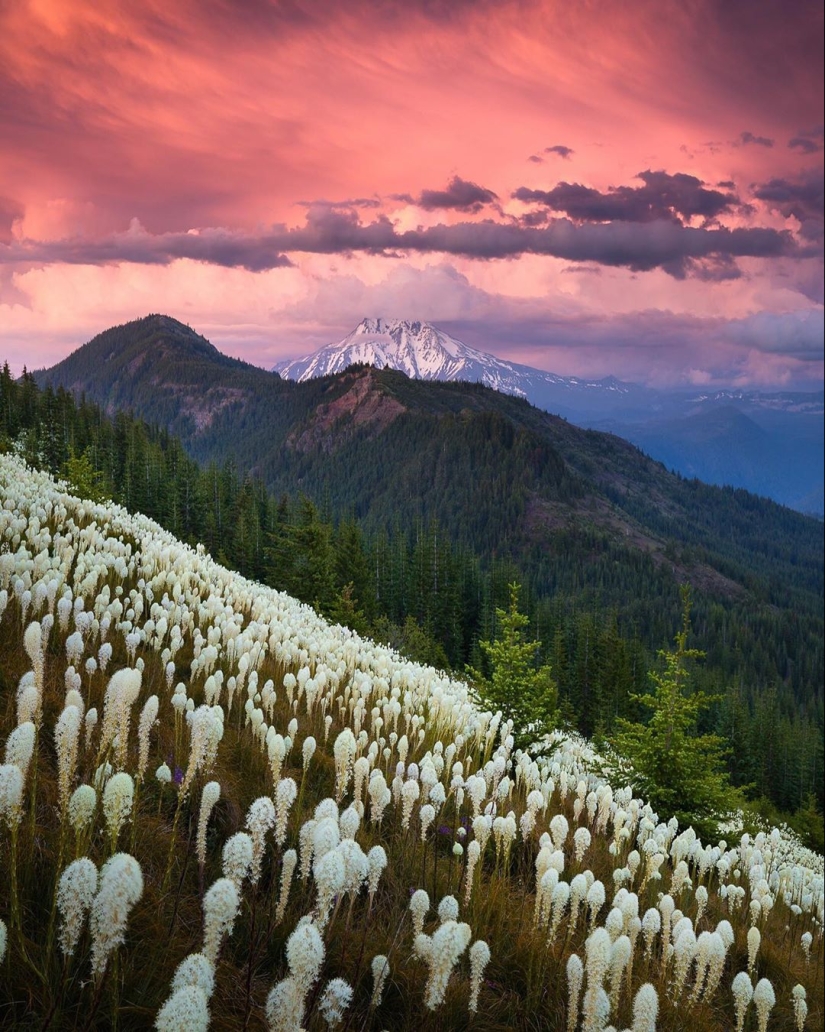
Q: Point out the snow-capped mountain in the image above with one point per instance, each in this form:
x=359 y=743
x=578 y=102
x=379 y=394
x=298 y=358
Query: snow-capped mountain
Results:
x=770 y=443
x=418 y=349
x=424 y=352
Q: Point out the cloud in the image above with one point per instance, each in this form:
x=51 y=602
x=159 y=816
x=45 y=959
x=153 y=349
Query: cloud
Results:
x=356 y=202
x=263 y=317
x=808 y=141
x=716 y=268
x=10 y=293
x=663 y=196
x=434 y=293
x=561 y=150
x=10 y=212
x=798 y=334
x=534 y=218
x=654 y=243
x=747 y=137
x=537 y=159
x=460 y=195
x=652 y=346
x=804 y=144
x=217 y=246
x=801 y=199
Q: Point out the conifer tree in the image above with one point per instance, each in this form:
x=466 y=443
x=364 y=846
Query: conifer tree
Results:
x=523 y=690
x=677 y=769
x=84 y=479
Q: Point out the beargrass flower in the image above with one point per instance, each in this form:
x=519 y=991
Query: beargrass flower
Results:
x=220 y=908
x=259 y=819
x=20 y=746
x=798 y=995
x=288 y=864
x=118 y=797
x=121 y=887
x=479 y=959
x=645 y=1009
x=305 y=954
x=742 y=989
x=285 y=1005
x=334 y=1000
x=186 y=1010
x=764 y=1000
x=76 y=891
x=195 y=970
x=209 y=797
x=575 y=978
x=380 y=972
x=237 y=857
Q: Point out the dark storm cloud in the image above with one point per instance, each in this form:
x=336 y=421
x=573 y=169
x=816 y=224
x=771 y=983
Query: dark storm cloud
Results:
x=714 y=269
x=534 y=218
x=804 y=144
x=797 y=334
x=560 y=149
x=748 y=137
x=218 y=246
x=663 y=196
x=807 y=141
x=801 y=199
x=460 y=195
x=663 y=243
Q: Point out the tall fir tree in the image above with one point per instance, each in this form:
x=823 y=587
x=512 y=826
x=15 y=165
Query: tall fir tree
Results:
x=678 y=770
x=517 y=684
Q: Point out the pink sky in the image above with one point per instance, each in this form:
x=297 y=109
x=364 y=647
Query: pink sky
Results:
x=271 y=172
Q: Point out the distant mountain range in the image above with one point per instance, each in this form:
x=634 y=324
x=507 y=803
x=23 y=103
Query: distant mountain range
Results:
x=499 y=475
x=768 y=443
x=424 y=352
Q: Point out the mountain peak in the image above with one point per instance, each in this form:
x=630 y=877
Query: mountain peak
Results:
x=415 y=328
x=160 y=358
x=414 y=347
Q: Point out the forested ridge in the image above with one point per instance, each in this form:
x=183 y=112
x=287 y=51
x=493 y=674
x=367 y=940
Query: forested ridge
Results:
x=411 y=527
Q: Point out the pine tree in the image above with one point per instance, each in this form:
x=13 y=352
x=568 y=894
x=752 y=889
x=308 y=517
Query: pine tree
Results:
x=345 y=610
x=678 y=770
x=84 y=479
x=519 y=687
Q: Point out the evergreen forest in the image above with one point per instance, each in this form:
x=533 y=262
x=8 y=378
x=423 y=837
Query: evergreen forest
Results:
x=600 y=610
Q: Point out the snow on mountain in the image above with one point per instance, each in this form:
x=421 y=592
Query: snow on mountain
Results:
x=424 y=352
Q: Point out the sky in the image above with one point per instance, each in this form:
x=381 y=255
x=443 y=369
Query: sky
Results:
x=591 y=187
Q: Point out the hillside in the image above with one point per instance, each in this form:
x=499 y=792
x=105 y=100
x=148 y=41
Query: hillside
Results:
x=768 y=443
x=496 y=472
x=299 y=829
x=161 y=369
